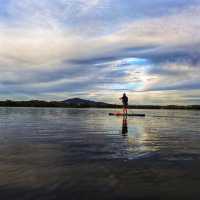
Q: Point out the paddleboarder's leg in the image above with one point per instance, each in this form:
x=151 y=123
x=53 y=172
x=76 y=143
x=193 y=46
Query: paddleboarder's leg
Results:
x=125 y=109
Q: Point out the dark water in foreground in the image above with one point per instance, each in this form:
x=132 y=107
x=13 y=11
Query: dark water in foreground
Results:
x=54 y=153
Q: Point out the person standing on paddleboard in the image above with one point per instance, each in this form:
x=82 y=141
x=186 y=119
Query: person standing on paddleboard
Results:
x=124 y=99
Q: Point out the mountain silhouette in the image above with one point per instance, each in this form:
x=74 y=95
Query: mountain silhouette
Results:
x=84 y=102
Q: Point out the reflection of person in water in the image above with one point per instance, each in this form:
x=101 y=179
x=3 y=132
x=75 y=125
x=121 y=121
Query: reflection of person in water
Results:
x=124 y=126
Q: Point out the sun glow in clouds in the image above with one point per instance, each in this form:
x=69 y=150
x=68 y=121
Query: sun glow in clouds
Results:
x=134 y=61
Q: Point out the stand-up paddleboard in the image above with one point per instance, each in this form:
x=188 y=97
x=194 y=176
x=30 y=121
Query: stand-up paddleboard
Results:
x=129 y=114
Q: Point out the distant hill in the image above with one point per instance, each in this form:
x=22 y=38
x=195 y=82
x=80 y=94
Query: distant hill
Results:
x=84 y=102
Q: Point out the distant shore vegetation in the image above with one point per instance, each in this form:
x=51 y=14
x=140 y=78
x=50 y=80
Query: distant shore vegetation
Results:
x=62 y=104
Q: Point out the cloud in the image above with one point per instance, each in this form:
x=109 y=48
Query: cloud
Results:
x=74 y=46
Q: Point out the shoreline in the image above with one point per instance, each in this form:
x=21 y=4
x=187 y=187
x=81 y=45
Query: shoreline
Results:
x=117 y=107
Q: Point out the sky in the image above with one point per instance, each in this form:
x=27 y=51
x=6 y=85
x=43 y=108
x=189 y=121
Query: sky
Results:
x=98 y=49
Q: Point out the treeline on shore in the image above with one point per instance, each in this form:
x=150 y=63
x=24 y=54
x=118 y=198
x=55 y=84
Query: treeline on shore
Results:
x=38 y=103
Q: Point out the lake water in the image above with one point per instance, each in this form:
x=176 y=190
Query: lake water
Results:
x=56 y=153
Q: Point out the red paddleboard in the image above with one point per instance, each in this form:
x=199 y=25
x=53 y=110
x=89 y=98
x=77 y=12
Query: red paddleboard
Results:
x=129 y=114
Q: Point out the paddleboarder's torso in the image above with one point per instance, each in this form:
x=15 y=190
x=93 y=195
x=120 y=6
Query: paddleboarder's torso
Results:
x=124 y=99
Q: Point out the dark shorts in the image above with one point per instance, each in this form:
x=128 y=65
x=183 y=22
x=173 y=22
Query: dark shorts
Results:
x=125 y=104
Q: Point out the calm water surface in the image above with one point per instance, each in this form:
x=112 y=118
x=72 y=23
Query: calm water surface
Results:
x=47 y=152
